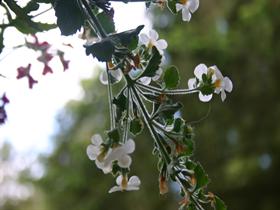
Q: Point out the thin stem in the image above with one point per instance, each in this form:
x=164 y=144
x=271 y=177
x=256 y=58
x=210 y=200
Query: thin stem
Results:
x=150 y=126
x=110 y=99
x=43 y=12
x=93 y=21
x=126 y=123
x=167 y=92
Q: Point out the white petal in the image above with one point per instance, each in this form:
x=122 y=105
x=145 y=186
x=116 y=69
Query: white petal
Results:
x=217 y=72
x=115 y=189
x=153 y=35
x=105 y=168
x=186 y=15
x=96 y=140
x=132 y=188
x=158 y=74
x=193 y=5
x=103 y=78
x=179 y=7
x=144 y=39
x=129 y=146
x=192 y=83
x=119 y=180
x=223 y=95
x=124 y=161
x=145 y=80
x=134 y=181
x=117 y=74
x=228 y=84
x=161 y=44
x=92 y=152
x=200 y=70
x=204 y=98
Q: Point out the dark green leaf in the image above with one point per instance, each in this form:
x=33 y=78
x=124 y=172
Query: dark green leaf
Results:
x=178 y=125
x=189 y=147
x=219 y=204
x=1 y=41
x=171 y=5
x=102 y=50
x=153 y=64
x=126 y=37
x=114 y=136
x=69 y=16
x=107 y=22
x=31 y=6
x=201 y=177
x=136 y=126
x=171 y=77
x=120 y=102
x=168 y=110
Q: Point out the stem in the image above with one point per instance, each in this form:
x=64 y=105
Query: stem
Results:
x=167 y=92
x=126 y=125
x=93 y=21
x=150 y=126
x=42 y=12
x=110 y=99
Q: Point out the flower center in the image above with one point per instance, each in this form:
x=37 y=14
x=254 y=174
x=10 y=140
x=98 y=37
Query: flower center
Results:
x=124 y=183
x=183 y=1
x=102 y=154
x=150 y=45
x=218 y=83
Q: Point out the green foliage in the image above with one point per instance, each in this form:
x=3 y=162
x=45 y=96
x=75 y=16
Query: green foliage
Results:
x=171 y=77
x=136 y=126
x=153 y=64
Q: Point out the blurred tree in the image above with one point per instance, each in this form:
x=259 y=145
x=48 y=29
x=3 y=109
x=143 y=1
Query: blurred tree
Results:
x=239 y=141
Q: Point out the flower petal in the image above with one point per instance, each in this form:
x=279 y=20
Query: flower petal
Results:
x=96 y=140
x=92 y=152
x=192 y=83
x=193 y=5
x=145 y=80
x=153 y=35
x=204 y=98
x=119 y=180
x=158 y=74
x=179 y=7
x=199 y=70
x=117 y=74
x=115 y=189
x=124 y=161
x=144 y=39
x=223 y=95
x=103 y=78
x=186 y=15
x=134 y=181
x=129 y=146
x=161 y=44
x=228 y=84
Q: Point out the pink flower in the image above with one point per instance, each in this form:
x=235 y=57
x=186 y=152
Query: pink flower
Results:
x=25 y=72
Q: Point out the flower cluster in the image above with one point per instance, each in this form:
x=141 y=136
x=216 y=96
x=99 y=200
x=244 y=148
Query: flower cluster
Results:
x=45 y=57
x=210 y=80
x=3 y=115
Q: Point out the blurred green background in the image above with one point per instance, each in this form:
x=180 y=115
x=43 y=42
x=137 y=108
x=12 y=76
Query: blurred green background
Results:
x=238 y=143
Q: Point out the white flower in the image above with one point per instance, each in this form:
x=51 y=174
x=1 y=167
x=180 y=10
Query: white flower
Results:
x=119 y=154
x=219 y=82
x=148 y=80
x=95 y=149
x=123 y=184
x=116 y=74
x=188 y=7
x=152 y=40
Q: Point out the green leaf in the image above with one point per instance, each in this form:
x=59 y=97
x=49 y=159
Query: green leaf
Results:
x=171 y=5
x=171 y=77
x=219 y=204
x=31 y=6
x=114 y=135
x=153 y=64
x=107 y=22
x=69 y=16
x=201 y=177
x=126 y=37
x=189 y=147
x=136 y=126
x=167 y=111
x=102 y=50
x=120 y=102
x=178 y=125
